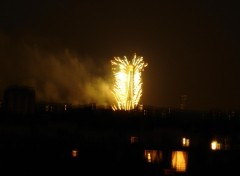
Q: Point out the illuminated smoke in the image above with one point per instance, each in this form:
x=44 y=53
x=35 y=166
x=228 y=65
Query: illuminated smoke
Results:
x=57 y=75
x=127 y=88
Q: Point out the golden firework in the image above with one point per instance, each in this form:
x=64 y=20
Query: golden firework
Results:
x=127 y=89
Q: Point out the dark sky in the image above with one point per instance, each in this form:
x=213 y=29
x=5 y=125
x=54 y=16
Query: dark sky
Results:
x=191 y=46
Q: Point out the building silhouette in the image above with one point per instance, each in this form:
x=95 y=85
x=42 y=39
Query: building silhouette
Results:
x=19 y=100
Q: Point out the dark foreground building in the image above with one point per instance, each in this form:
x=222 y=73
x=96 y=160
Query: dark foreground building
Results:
x=19 y=100
x=63 y=139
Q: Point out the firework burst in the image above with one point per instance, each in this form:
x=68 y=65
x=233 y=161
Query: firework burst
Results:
x=127 y=89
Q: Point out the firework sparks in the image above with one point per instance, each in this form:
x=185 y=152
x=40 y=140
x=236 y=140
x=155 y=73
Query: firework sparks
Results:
x=127 y=89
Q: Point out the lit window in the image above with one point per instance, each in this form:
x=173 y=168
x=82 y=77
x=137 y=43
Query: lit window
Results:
x=153 y=156
x=133 y=139
x=74 y=153
x=149 y=158
x=179 y=161
x=185 y=142
x=215 y=145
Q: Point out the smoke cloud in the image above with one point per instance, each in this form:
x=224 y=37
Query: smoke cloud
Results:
x=59 y=76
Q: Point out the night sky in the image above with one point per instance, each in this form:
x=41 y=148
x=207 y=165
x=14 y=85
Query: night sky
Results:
x=63 y=48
